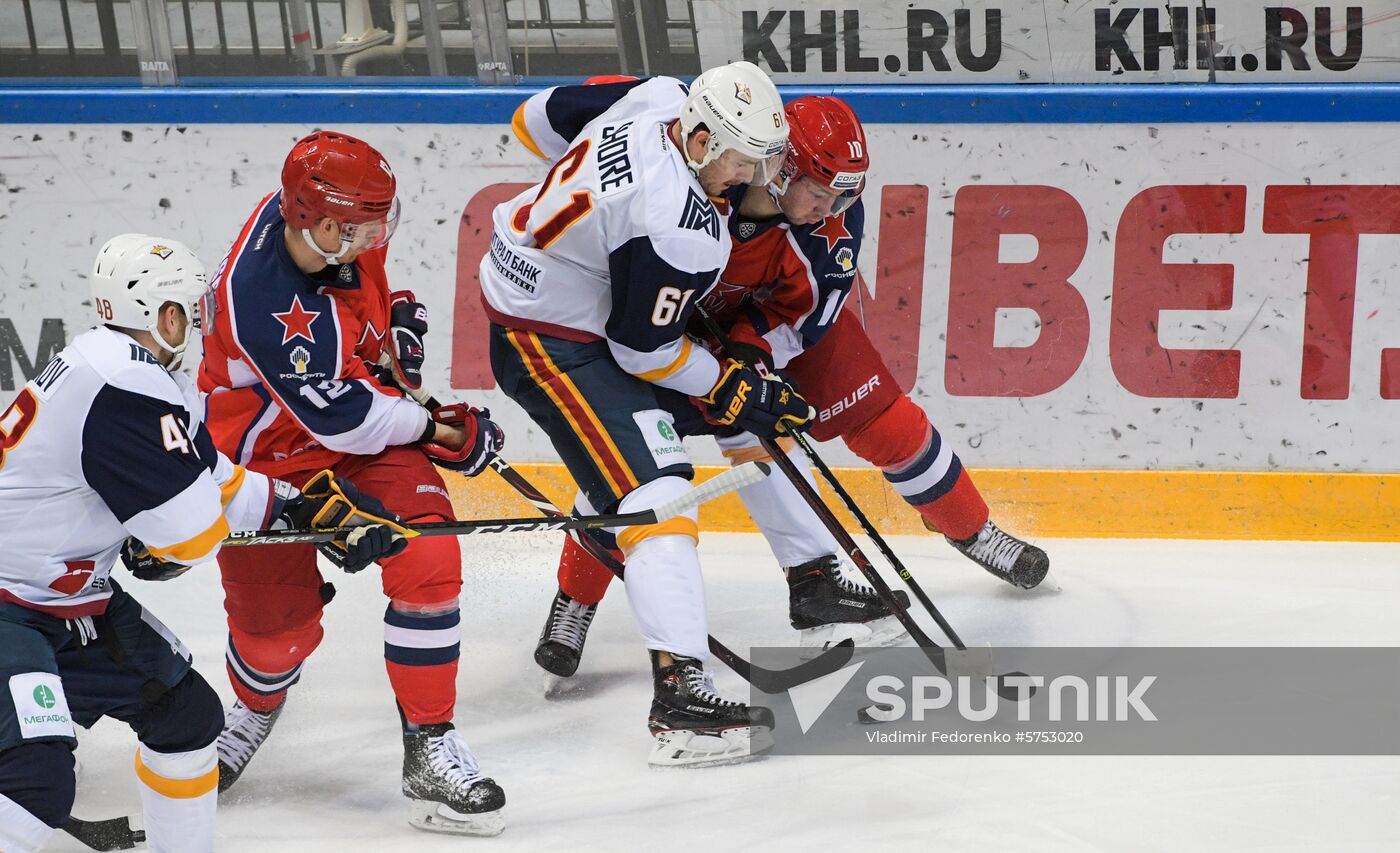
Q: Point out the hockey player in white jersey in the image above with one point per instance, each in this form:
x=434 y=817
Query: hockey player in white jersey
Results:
x=105 y=452
x=589 y=282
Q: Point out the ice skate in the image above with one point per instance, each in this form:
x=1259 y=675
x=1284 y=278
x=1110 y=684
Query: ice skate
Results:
x=244 y=731
x=826 y=607
x=561 y=642
x=694 y=726
x=1015 y=561
x=446 y=789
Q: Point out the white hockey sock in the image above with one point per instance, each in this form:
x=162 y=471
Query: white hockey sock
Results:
x=20 y=831
x=667 y=595
x=664 y=586
x=179 y=794
x=793 y=531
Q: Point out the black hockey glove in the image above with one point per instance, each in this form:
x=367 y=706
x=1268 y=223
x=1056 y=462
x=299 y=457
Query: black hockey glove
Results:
x=146 y=566
x=330 y=501
x=765 y=406
x=408 y=323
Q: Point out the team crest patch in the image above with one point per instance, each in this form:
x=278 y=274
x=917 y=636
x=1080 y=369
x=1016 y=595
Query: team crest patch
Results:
x=699 y=215
x=162 y=252
x=347 y=273
x=742 y=93
x=747 y=229
x=300 y=358
x=845 y=257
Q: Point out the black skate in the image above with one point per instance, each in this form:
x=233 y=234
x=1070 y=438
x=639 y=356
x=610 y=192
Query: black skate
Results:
x=1017 y=562
x=446 y=789
x=827 y=607
x=244 y=731
x=561 y=642
x=695 y=726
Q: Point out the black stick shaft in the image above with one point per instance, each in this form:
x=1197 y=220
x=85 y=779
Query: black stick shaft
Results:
x=449 y=528
x=888 y=552
x=833 y=526
x=767 y=680
x=820 y=508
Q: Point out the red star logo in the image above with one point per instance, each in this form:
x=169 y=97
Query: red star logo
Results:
x=296 y=322
x=833 y=228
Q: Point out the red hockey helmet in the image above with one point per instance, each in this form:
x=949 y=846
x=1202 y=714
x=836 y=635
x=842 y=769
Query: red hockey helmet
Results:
x=329 y=174
x=827 y=145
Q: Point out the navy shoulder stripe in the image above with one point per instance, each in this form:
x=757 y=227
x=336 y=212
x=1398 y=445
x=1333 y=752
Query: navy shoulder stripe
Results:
x=137 y=452
x=569 y=108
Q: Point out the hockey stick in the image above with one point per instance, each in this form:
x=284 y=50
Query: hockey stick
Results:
x=111 y=834
x=735 y=478
x=936 y=654
x=823 y=513
x=766 y=680
x=854 y=509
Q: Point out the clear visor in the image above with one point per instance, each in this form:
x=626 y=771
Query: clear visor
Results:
x=364 y=236
x=829 y=201
x=766 y=169
x=755 y=171
x=204 y=312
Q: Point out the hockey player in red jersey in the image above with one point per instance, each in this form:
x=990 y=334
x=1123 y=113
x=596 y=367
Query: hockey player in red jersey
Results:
x=304 y=316
x=792 y=266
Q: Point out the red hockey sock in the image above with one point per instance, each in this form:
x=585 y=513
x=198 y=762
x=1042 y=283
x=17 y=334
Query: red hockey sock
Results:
x=421 y=651
x=262 y=668
x=581 y=576
x=922 y=468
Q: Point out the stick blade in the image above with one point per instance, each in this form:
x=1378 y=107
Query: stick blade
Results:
x=111 y=834
x=782 y=680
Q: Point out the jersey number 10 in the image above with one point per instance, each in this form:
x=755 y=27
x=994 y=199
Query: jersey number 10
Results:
x=580 y=203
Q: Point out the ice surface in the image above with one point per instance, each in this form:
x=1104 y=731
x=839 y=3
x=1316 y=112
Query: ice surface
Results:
x=574 y=768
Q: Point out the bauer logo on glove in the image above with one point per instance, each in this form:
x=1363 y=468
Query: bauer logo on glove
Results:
x=765 y=406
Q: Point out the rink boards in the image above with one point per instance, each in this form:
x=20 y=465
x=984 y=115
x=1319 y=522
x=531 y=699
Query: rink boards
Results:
x=1134 y=311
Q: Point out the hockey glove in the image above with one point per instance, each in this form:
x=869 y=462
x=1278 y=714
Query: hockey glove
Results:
x=484 y=439
x=408 y=323
x=330 y=501
x=765 y=406
x=146 y=566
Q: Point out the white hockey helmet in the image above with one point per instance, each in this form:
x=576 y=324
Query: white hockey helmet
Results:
x=741 y=109
x=135 y=274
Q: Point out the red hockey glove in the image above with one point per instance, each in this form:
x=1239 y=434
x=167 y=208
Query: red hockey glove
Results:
x=484 y=438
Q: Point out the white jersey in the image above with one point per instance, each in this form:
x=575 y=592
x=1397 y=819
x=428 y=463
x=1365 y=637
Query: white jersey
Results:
x=619 y=241
x=103 y=444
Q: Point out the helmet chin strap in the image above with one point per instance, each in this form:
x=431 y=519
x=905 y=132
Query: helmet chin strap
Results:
x=333 y=260
x=175 y=350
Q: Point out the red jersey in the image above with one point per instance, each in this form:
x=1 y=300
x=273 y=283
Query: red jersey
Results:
x=286 y=369
x=785 y=284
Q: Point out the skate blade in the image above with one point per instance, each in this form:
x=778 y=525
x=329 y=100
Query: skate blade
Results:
x=682 y=748
x=437 y=817
x=875 y=634
x=557 y=687
x=1049 y=583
